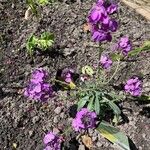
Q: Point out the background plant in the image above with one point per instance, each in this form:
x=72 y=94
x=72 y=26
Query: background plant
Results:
x=45 y=41
x=35 y=4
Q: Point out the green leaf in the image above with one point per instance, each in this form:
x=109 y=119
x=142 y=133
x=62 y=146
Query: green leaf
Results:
x=115 y=108
x=87 y=70
x=136 y=51
x=31 y=44
x=46 y=40
x=114 y=135
x=97 y=103
x=116 y=57
x=43 y=2
x=82 y=102
x=90 y=103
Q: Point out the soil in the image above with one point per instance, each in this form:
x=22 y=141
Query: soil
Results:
x=25 y=122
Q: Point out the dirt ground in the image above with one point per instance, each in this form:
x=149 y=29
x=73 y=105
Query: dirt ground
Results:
x=25 y=122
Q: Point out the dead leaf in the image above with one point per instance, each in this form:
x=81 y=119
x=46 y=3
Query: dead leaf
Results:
x=87 y=141
x=14 y=146
x=28 y=13
x=86 y=27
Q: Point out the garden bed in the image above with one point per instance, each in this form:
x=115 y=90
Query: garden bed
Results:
x=24 y=122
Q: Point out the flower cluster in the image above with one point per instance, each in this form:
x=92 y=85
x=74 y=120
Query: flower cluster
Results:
x=66 y=75
x=105 y=61
x=101 y=23
x=38 y=88
x=133 y=86
x=124 y=45
x=52 y=142
x=84 y=119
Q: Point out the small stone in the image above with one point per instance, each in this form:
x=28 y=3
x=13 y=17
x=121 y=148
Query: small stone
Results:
x=31 y=133
x=58 y=110
x=94 y=138
x=35 y=119
x=91 y=131
x=55 y=119
x=99 y=144
x=55 y=130
x=62 y=115
x=81 y=147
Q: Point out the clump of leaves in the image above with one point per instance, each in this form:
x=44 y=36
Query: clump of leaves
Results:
x=45 y=41
x=99 y=100
x=35 y=4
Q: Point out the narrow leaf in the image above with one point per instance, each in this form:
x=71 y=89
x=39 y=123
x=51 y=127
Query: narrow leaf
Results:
x=82 y=102
x=114 y=135
x=115 y=108
x=97 y=103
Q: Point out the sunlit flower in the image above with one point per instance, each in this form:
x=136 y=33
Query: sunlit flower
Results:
x=134 y=86
x=105 y=61
x=124 y=45
x=84 y=119
x=52 y=142
x=38 y=88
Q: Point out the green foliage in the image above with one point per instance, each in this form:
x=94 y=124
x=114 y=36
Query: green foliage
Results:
x=136 y=51
x=114 y=135
x=35 y=4
x=116 y=57
x=99 y=101
x=44 y=42
x=87 y=70
x=43 y=2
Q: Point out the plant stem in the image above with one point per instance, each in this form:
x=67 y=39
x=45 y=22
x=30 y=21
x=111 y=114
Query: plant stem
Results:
x=66 y=131
x=116 y=70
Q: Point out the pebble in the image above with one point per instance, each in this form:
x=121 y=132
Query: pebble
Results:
x=99 y=144
x=62 y=115
x=81 y=147
x=58 y=110
x=55 y=130
x=55 y=119
x=31 y=133
x=35 y=119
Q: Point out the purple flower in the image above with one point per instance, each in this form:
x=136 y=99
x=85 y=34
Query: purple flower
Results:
x=38 y=91
x=98 y=14
x=134 y=86
x=125 y=45
x=113 y=25
x=39 y=75
x=112 y=8
x=101 y=22
x=99 y=35
x=67 y=75
x=100 y=2
x=105 y=61
x=84 y=119
x=52 y=142
x=38 y=88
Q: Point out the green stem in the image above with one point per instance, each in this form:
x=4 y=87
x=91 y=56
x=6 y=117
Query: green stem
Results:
x=66 y=131
x=116 y=70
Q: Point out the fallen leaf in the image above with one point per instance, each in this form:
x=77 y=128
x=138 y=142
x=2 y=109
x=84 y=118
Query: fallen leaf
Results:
x=87 y=141
x=86 y=27
x=28 y=13
x=14 y=146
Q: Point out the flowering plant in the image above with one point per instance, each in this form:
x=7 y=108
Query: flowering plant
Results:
x=96 y=96
x=38 y=88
